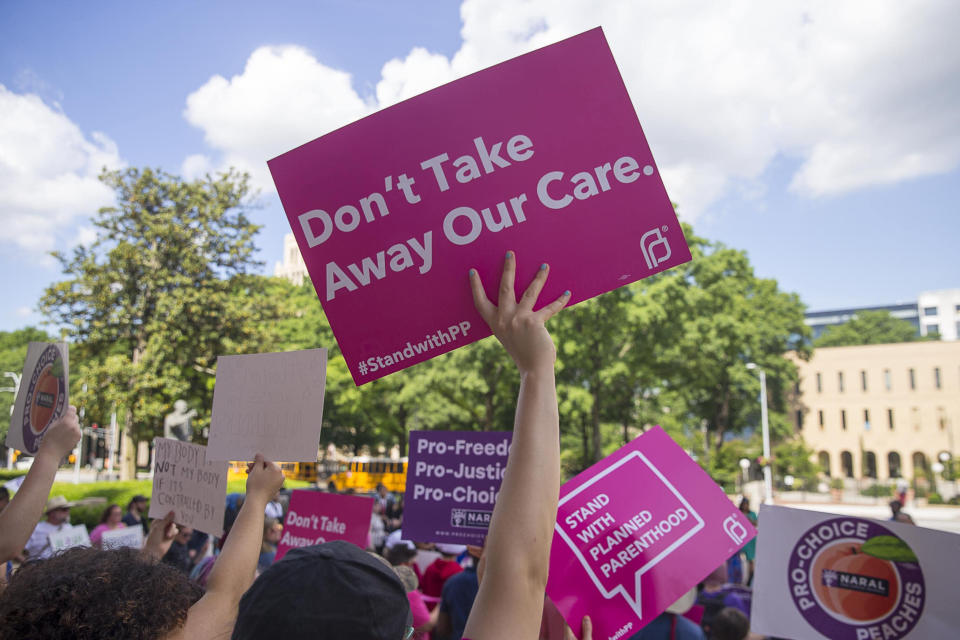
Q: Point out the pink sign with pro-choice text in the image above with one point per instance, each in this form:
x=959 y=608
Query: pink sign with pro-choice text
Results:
x=635 y=532
x=542 y=154
x=315 y=517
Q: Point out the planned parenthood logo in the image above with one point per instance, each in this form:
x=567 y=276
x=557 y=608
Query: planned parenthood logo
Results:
x=470 y=519
x=650 y=241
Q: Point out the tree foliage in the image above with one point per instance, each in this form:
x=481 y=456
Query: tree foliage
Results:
x=166 y=287
x=868 y=327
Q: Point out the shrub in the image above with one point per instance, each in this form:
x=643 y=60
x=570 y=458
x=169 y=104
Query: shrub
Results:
x=955 y=500
x=934 y=498
x=878 y=491
x=836 y=483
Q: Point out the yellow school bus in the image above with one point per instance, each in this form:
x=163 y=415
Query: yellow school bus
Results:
x=306 y=471
x=363 y=474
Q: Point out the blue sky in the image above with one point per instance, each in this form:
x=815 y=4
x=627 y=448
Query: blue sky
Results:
x=824 y=141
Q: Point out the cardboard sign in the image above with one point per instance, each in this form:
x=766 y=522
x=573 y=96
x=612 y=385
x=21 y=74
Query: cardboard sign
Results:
x=820 y=575
x=542 y=154
x=69 y=537
x=43 y=395
x=315 y=518
x=635 y=532
x=186 y=482
x=269 y=403
x=453 y=479
x=131 y=537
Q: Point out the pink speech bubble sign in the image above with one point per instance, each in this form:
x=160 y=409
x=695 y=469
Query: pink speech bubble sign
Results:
x=542 y=154
x=634 y=532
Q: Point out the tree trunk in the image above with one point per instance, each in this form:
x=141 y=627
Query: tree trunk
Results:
x=128 y=451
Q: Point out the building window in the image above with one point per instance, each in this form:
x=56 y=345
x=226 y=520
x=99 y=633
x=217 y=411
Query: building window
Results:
x=863 y=380
x=820 y=418
x=893 y=463
x=840 y=381
x=929 y=311
x=819 y=383
x=933 y=329
x=936 y=377
x=942 y=418
x=824 y=459
x=846 y=463
x=870 y=464
x=890 y=419
x=843 y=419
x=866 y=419
x=915 y=418
x=799 y=418
x=887 y=381
x=913 y=379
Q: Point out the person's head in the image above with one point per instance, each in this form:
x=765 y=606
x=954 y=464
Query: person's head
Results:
x=408 y=577
x=183 y=536
x=112 y=515
x=382 y=490
x=272 y=531
x=4 y=497
x=400 y=554
x=745 y=505
x=895 y=507
x=717 y=578
x=137 y=504
x=331 y=590
x=58 y=510
x=449 y=551
x=729 y=624
x=91 y=593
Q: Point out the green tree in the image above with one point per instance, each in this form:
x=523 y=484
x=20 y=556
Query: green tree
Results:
x=13 y=353
x=720 y=317
x=868 y=327
x=165 y=288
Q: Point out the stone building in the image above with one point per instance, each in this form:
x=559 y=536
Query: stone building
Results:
x=880 y=411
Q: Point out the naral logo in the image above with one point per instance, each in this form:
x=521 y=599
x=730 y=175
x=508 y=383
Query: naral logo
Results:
x=650 y=241
x=853 y=579
x=470 y=519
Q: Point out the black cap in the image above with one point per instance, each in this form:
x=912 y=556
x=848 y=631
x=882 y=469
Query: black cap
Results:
x=333 y=590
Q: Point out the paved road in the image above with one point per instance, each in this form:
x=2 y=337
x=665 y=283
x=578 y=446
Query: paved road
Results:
x=943 y=518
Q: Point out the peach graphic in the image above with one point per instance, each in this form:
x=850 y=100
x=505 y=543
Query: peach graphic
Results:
x=860 y=605
x=46 y=394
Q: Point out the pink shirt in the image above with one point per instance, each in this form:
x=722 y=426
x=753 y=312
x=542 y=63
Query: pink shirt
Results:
x=420 y=613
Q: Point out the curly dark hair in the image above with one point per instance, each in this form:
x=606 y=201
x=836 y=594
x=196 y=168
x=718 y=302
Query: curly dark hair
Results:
x=90 y=593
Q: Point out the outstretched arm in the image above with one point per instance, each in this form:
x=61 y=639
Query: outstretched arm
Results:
x=213 y=616
x=517 y=554
x=19 y=518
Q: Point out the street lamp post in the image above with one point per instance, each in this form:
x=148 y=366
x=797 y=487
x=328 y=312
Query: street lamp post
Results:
x=14 y=390
x=764 y=424
x=744 y=465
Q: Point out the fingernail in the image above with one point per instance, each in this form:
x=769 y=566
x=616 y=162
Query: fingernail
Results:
x=509 y=254
x=567 y=292
x=543 y=266
x=473 y=272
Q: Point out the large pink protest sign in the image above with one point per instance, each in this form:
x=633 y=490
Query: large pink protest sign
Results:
x=635 y=532
x=542 y=154
x=315 y=518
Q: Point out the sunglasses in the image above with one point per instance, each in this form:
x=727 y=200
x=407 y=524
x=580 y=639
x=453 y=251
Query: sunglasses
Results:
x=409 y=633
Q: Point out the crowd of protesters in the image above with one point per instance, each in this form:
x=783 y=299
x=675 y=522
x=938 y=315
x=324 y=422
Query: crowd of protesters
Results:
x=183 y=584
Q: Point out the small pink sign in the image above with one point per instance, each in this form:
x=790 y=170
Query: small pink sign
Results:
x=635 y=532
x=542 y=154
x=315 y=517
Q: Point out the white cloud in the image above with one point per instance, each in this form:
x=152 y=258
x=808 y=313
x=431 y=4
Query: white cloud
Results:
x=862 y=92
x=48 y=172
x=283 y=98
x=23 y=312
